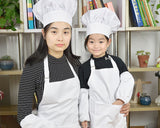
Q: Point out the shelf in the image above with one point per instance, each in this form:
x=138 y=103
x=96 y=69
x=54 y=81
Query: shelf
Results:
x=142 y=28
x=32 y=30
x=138 y=69
x=21 y=31
x=12 y=110
x=11 y=72
x=10 y=31
x=138 y=107
x=84 y=29
x=8 y=110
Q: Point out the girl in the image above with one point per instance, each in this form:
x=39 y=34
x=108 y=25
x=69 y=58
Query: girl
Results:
x=106 y=84
x=50 y=72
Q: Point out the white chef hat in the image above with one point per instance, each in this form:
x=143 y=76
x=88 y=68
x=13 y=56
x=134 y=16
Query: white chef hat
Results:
x=48 y=11
x=101 y=21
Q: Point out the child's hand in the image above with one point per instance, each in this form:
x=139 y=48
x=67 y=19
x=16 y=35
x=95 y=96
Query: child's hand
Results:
x=125 y=109
x=84 y=124
x=118 y=102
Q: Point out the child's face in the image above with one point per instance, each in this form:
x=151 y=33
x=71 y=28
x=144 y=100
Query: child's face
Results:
x=97 y=45
x=58 y=37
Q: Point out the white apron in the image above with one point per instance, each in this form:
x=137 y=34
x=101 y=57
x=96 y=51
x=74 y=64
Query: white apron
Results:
x=59 y=103
x=103 y=84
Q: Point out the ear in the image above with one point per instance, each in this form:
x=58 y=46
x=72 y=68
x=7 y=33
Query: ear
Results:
x=43 y=33
x=109 y=42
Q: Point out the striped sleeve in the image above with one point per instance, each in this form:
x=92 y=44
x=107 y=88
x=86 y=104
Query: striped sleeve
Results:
x=26 y=93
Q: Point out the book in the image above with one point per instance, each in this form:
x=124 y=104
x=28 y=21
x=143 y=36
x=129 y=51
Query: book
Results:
x=90 y=5
x=135 y=15
x=155 y=7
x=94 y=4
x=37 y=23
x=102 y=3
x=142 y=14
x=110 y=6
x=30 y=14
x=34 y=18
x=150 y=19
x=105 y=4
x=84 y=6
x=99 y=4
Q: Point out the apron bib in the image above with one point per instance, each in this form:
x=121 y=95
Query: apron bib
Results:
x=59 y=103
x=103 y=84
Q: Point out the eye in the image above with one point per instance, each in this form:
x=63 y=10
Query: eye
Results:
x=91 y=42
x=54 y=32
x=100 y=42
x=66 y=32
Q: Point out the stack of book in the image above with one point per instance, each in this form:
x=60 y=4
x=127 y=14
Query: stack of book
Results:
x=33 y=23
x=94 y=4
x=141 y=14
x=155 y=7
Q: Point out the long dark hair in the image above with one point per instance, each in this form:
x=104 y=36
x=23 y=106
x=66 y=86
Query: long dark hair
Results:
x=86 y=40
x=42 y=51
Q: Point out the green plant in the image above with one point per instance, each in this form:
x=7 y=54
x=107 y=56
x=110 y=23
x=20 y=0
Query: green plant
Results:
x=6 y=57
x=143 y=56
x=9 y=14
x=142 y=52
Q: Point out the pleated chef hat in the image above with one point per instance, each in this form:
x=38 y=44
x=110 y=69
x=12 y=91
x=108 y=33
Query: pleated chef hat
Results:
x=48 y=11
x=101 y=21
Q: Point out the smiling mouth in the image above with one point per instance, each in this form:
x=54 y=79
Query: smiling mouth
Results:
x=96 y=50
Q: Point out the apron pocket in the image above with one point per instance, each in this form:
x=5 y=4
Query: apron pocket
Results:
x=107 y=116
x=113 y=112
x=108 y=111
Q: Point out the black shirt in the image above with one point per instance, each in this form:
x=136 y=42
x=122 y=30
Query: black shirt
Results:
x=100 y=63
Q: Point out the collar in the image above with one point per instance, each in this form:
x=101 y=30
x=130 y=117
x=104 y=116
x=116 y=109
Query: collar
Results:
x=53 y=60
x=105 y=57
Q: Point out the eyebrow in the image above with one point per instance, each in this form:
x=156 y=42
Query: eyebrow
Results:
x=98 y=39
x=57 y=28
x=101 y=39
x=91 y=38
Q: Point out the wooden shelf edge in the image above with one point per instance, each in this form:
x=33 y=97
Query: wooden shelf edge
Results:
x=8 y=110
x=32 y=31
x=84 y=29
x=142 y=28
x=10 y=31
x=138 y=107
x=11 y=72
x=138 y=69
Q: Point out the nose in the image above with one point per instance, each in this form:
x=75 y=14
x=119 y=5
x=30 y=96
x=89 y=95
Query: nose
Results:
x=96 y=45
x=60 y=37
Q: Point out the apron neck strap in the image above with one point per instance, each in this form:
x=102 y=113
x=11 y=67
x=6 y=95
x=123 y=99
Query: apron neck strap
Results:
x=92 y=63
x=113 y=63
x=46 y=68
x=71 y=67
